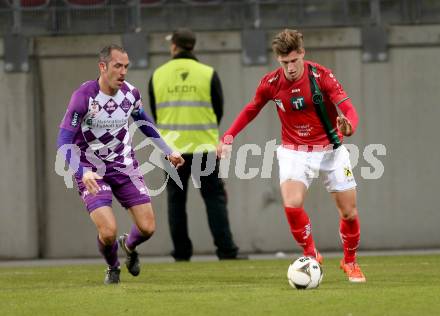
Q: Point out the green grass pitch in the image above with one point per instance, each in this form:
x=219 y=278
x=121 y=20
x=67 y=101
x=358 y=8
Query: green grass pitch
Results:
x=396 y=285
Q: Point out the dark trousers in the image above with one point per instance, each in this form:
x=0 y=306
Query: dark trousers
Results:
x=214 y=196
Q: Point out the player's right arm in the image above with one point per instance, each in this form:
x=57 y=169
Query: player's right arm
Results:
x=89 y=179
x=247 y=114
x=69 y=127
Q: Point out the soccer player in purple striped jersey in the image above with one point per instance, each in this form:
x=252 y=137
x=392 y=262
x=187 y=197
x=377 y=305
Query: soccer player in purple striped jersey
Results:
x=94 y=135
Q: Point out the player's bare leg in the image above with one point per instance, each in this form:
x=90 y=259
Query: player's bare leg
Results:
x=142 y=229
x=143 y=217
x=293 y=194
x=105 y=223
x=349 y=232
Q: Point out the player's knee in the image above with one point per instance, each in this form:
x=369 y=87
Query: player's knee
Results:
x=349 y=213
x=148 y=229
x=294 y=200
x=108 y=239
x=108 y=235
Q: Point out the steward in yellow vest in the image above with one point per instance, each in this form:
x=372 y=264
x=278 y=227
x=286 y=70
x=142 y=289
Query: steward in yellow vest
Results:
x=186 y=101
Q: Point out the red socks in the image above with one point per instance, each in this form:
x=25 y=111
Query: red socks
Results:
x=301 y=229
x=350 y=233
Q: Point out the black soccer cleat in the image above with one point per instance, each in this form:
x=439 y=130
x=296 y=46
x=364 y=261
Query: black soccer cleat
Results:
x=132 y=257
x=112 y=275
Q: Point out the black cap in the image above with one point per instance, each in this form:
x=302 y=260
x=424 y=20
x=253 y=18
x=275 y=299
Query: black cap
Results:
x=183 y=38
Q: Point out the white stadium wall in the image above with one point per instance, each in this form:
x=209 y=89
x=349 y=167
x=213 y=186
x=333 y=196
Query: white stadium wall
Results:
x=396 y=101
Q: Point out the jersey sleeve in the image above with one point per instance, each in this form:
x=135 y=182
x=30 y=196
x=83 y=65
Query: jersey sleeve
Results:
x=64 y=146
x=70 y=125
x=331 y=87
x=350 y=113
x=249 y=112
x=76 y=110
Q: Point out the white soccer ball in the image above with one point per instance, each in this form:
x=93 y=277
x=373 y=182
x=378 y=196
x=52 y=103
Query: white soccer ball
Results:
x=305 y=273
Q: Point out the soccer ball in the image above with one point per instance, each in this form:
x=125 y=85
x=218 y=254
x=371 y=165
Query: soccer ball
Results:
x=305 y=273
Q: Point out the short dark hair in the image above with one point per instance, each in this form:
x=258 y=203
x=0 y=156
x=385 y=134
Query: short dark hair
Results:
x=106 y=52
x=287 y=41
x=183 y=38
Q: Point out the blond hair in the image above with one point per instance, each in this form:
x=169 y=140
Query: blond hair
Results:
x=287 y=41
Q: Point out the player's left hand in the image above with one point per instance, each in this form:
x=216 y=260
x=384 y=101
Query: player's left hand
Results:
x=224 y=150
x=176 y=159
x=344 y=125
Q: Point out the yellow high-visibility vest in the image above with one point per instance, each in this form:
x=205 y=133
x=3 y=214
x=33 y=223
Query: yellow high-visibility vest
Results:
x=185 y=116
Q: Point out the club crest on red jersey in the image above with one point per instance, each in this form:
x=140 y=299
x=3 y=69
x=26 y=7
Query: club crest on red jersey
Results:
x=297 y=103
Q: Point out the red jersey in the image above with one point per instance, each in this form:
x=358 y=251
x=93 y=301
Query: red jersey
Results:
x=300 y=124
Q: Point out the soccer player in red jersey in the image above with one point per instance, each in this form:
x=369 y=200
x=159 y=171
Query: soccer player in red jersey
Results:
x=307 y=97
